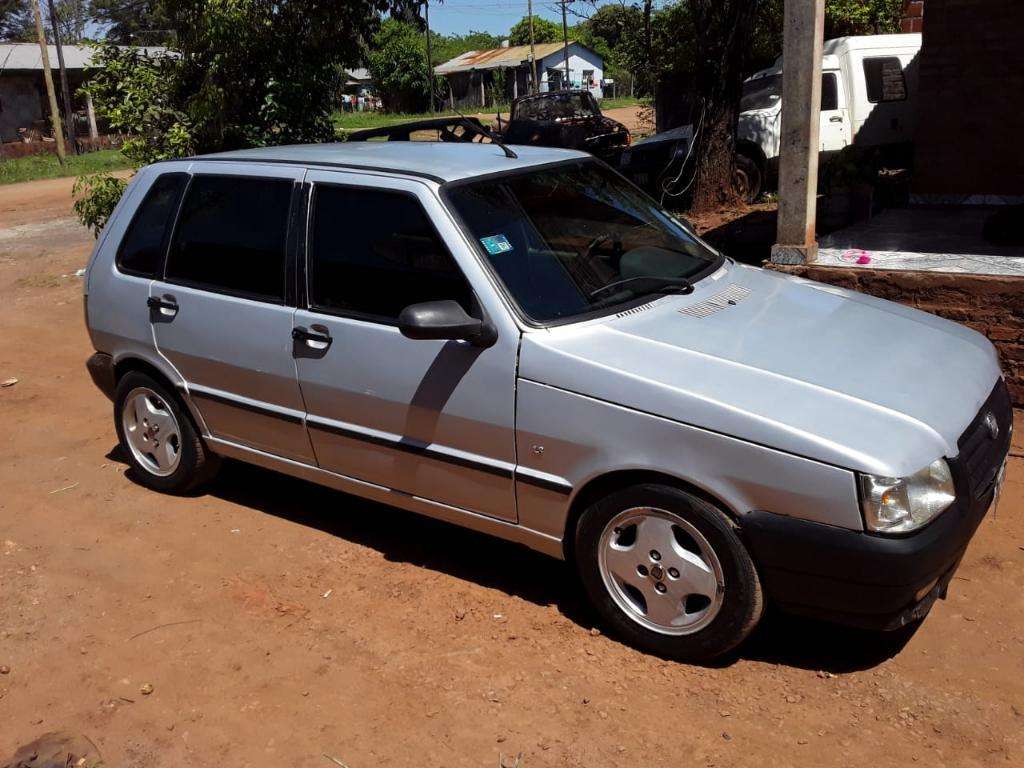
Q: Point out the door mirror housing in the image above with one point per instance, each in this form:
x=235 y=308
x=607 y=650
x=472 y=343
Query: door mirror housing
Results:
x=445 y=320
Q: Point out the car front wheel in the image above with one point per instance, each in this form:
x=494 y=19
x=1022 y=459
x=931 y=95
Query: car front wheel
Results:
x=667 y=572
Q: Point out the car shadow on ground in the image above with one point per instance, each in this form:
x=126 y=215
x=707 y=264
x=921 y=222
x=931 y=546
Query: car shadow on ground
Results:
x=406 y=537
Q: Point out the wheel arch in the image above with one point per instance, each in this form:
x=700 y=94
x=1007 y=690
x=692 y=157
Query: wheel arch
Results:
x=755 y=153
x=609 y=482
x=129 y=363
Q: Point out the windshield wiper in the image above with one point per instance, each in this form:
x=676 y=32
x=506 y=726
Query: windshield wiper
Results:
x=678 y=285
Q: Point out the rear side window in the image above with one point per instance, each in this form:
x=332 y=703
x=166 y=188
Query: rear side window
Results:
x=230 y=236
x=373 y=253
x=829 y=92
x=884 y=78
x=142 y=247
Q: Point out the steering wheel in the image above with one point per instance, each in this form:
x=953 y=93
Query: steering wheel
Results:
x=593 y=244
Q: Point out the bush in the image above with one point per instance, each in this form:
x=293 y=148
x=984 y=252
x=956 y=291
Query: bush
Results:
x=96 y=196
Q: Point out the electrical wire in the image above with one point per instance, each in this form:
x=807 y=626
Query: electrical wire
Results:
x=689 y=152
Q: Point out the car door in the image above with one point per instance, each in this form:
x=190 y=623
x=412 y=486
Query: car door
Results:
x=221 y=313
x=834 y=131
x=433 y=419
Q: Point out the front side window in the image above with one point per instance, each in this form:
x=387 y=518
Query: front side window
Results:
x=883 y=76
x=142 y=248
x=577 y=238
x=231 y=236
x=374 y=252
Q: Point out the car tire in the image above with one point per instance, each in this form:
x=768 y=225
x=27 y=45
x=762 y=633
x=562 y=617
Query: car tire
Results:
x=158 y=436
x=749 y=179
x=648 y=557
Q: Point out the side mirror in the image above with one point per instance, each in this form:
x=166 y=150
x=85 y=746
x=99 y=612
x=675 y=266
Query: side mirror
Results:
x=445 y=320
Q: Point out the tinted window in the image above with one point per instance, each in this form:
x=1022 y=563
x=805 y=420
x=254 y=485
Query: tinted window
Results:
x=829 y=92
x=884 y=78
x=374 y=253
x=141 y=251
x=231 y=236
x=577 y=238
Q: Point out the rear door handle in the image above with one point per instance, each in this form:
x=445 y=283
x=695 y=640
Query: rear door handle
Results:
x=315 y=337
x=165 y=305
x=835 y=119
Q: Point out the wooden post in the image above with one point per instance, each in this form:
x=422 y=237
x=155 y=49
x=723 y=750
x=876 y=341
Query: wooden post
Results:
x=803 y=33
x=565 y=49
x=534 y=79
x=65 y=91
x=58 y=135
x=430 y=65
x=94 y=132
x=483 y=96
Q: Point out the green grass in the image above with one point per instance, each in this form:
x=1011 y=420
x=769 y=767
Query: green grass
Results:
x=622 y=101
x=46 y=166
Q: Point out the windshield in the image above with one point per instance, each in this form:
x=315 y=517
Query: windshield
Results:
x=761 y=93
x=577 y=238
x=557 y=106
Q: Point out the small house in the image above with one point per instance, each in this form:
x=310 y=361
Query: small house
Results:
x=496 y=76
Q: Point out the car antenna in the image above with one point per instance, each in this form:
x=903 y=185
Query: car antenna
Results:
x=480 y=129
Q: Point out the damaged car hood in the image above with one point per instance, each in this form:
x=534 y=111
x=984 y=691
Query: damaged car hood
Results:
x=799 y=366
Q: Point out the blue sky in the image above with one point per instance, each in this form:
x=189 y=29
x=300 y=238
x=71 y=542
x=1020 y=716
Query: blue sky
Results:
x=497 y=16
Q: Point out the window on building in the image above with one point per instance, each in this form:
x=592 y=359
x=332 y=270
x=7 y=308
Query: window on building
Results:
x=829 y=92
x=375 y=252
x=231 y=236
x=142 y=248
x=885 y=79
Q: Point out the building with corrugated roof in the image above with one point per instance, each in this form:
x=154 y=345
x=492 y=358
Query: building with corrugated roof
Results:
x=496 y=76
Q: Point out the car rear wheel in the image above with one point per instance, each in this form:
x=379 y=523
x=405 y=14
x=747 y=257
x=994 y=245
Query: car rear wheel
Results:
x=158 y=437
x=667 y=572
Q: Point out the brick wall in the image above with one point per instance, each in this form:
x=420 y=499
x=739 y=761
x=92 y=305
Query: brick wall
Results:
x=990 y=304
x=970 y=135
x=913 y=16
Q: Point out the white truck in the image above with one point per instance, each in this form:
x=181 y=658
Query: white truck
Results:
x=868 y=88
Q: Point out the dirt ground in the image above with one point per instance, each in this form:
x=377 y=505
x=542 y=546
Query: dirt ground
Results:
x=283 y=624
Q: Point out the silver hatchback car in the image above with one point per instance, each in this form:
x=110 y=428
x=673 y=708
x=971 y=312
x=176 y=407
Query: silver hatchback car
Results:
x=529 y=346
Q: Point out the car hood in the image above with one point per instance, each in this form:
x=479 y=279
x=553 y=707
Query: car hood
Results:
x=802 y=367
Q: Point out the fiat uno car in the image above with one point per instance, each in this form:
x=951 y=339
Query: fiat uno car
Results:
x=527 y=345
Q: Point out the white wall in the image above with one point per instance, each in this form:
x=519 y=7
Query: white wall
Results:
x=580 y=59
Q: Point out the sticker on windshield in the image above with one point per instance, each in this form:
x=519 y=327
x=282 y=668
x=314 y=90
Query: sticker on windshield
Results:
x=496 y=244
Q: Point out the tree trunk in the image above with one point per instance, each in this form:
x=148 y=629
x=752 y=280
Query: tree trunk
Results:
x=724 y=32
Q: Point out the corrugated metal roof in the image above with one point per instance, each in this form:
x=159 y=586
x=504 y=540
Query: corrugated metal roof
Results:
x=496 y=58
x=27 y=56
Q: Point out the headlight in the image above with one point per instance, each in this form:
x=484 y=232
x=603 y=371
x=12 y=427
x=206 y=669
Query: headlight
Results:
x=903 y=504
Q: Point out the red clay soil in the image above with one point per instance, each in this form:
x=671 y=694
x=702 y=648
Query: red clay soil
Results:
x=277 y=622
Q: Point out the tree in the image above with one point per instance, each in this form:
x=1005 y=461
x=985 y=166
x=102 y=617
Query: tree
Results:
x=397 y=61
x=544 y=31
x=244 y=73
x=724 y=32
x=16 y=23
x=133 y=22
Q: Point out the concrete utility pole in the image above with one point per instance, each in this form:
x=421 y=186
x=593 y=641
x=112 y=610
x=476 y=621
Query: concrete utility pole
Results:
x=58 y=135
x=430 y=66
x=565 y=50
x=803 y=32
x=534 y=78
x=69 y=112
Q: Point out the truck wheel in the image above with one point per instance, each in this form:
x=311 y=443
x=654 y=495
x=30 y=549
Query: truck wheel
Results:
x=749 y=179
x=158 y=436
x=667 y=572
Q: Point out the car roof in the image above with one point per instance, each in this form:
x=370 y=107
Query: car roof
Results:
x=440 y=161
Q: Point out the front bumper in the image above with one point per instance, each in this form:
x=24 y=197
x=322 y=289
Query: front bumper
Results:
x=883 y=582
x=857 y=578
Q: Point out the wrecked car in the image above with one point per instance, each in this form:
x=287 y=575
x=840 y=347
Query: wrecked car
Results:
x=566 y=119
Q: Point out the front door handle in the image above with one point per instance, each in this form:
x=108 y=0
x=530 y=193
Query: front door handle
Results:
x=165 y=305
x=835 y=119
x=315 y=337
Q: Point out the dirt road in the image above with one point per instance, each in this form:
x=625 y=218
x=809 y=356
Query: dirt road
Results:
x=278 y=622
